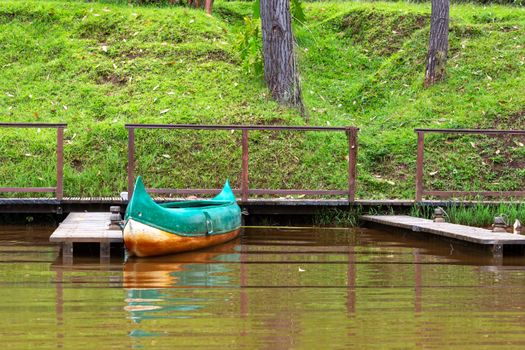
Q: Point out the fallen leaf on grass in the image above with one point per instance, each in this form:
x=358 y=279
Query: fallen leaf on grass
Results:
x=164 y=111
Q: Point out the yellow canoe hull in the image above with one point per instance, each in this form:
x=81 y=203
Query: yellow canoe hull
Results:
x=142 y=240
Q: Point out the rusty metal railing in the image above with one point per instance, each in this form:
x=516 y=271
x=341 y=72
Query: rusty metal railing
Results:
x=245 y=191
x=420 y=191
x=59 y=188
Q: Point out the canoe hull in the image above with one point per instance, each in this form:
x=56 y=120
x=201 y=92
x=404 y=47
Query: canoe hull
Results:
x=143 y=240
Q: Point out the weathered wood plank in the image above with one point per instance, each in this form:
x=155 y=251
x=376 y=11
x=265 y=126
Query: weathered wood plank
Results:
x=86 y=227
x=459 y=232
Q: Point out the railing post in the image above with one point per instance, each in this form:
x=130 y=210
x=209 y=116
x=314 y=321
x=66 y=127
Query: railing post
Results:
x=131 y=160
x=352 y=162
x=419 y=165
x=244 y=174
x=60 y=164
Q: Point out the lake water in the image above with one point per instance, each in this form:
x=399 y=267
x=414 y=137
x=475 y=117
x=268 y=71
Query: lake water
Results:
x=274 y=288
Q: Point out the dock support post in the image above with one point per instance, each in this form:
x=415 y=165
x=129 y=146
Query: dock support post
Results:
x=104 y=251
x=67 y=252
x=497 y=250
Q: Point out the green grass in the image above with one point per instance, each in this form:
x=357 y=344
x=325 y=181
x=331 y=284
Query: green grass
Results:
x=98 y=66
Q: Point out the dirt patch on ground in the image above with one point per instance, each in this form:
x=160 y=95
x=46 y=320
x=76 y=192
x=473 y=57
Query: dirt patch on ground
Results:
x=132 y=54
x=111 y=78
x=77 y=165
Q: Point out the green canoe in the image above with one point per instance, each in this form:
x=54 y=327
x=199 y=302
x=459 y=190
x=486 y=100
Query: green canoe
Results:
x=156 y=229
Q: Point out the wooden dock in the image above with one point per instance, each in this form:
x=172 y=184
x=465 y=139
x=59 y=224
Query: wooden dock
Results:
x=86 y=228
x=494 y=240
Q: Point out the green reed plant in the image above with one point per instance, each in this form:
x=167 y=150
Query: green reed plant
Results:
x=338 y=217
x=348 y=218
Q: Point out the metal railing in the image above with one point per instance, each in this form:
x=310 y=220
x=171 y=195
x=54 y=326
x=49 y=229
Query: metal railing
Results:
x=59 y=188
x=245 y=191
x=420 y=191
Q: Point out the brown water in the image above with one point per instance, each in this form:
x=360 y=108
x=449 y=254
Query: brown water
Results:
x=272 y=289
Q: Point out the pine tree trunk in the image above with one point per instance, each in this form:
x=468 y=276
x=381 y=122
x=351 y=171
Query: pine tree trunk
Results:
x=438 y=44
x=208 y=6
x=280 y=63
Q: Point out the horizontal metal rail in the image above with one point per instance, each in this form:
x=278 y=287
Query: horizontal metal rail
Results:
x=236 y=127
x=420 y=190
x=250 y=191
x=33 y=125
x=446 y=194
x=472 y=131
x=59 y=188
x=245 y=191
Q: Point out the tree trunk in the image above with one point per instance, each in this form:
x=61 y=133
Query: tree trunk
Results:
x=280 y=63
x=205 y=4
x=438 y=45
x=208 y=6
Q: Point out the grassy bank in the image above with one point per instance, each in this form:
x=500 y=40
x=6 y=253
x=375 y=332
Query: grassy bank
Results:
x=99 y=66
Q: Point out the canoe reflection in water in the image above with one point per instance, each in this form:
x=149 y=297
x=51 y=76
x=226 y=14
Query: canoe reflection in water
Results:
x=152 y=284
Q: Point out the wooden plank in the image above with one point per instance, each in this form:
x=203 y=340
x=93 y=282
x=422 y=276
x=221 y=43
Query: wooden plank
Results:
x=459 y=232
x=86 y=227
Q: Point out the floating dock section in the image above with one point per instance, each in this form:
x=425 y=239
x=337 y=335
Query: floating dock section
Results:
x=494 y=240
x=86 y=228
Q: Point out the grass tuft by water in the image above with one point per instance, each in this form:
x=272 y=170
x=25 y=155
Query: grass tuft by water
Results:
x=348 y=217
